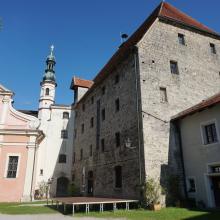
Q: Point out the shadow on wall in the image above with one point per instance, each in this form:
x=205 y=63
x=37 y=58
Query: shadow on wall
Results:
x=172 y=174
x=62 y=177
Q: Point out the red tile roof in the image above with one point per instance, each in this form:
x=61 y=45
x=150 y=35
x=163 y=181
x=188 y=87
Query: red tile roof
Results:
x=164 y=12
x=199 y=107
x=77 y=82
x=170 y=12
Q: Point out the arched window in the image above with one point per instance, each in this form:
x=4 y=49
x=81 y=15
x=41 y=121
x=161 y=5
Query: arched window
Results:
x=47 y=91
x=66 y=115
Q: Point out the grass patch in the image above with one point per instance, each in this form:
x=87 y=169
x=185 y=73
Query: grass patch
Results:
x=16 y=208
x=163 y=214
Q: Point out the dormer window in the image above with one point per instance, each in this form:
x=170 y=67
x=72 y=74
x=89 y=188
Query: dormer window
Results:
x=47 y=91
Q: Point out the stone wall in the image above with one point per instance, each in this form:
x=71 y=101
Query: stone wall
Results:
x=198 y=79
x=124 y=121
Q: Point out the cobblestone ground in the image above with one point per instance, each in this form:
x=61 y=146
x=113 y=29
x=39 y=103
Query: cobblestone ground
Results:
x=46 y=217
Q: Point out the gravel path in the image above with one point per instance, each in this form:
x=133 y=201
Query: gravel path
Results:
x=47 y=217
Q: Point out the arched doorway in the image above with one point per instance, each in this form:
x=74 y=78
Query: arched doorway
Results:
x=62 y=187
x=90 y=183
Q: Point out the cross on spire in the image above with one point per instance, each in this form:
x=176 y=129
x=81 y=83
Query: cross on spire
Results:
x=51 y=49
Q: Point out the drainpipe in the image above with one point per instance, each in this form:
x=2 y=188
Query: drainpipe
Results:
x=136 y=68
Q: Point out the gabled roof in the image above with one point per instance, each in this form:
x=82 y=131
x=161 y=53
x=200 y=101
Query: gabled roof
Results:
x=77 y=82
x=170 y=12
x=213 y=100
x=165 y=12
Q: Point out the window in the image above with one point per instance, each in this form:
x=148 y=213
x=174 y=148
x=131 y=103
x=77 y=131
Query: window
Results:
x=73 y=177
x=103 y=144
x=47 y=91
x=191 y=185
x=117 y=105
x=210 y=134
x=83 y=107
x=65 y=115
x=90 y=151
x=213 y=49
x=117 y=139
x=74 y=157
x=174 y=67
x=41 y=172
x=103 y=90
x=103 y=114
x=118 y=177
x=81 y=154
x=163 y=94
x=62 y=158
x=82 y=128
x=92 y=122
x=116 y=78
x=215 y=169
x=181 y=39
x=12 y=166
x=75 y=133
x=92 y=99
x=64 y=134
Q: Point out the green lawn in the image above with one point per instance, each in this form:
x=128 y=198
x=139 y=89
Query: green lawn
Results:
x=164 y=214
x=24 y=208
x=140 y=214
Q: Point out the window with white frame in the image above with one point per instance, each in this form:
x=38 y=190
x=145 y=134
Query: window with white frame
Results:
x=191 y=185
x=12 y=166
x=209 y=132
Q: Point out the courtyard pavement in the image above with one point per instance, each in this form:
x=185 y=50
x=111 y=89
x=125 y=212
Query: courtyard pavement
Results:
x=47 y=217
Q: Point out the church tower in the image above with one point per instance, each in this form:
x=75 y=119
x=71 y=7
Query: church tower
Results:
x=48 y=85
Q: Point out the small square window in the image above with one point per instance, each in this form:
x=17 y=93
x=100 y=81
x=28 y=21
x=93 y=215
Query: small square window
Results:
x=62 y=158
x=117 y=105
x=212 y=47
x=92 y=122
x=116 y=78
x=103 y=145
x=90 y=151
x=103 y=90
x=83 y=107
x=181 y=39
x=103 y=114
x=65 y=115
x=41 y=172
x=117 y=139
x=64 y=134
x=118 y=177
x=163 y=94
x=191 y=185
x=92 y=99
x=82 y=128
x=210 y=133
x=174 y=67
x=74 y=157
x=81 y=154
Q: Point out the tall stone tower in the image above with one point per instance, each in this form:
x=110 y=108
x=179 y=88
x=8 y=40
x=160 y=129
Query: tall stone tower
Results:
x=48 y=85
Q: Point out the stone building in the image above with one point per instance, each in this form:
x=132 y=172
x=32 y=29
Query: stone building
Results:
x=122 y=125
x=198 y=128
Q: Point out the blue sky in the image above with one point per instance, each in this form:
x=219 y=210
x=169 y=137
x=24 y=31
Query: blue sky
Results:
x=85 y=34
